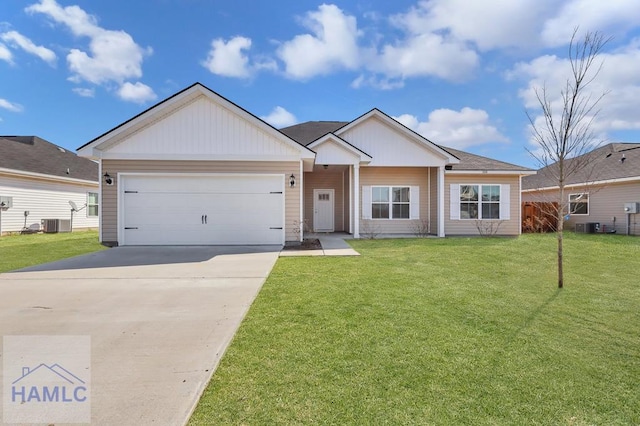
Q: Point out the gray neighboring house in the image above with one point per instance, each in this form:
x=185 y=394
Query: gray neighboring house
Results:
x=37 y=181
x=597 y=194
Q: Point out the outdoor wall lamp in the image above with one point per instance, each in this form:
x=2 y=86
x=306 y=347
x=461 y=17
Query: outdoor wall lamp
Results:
x=292 y=181
x=108 y=179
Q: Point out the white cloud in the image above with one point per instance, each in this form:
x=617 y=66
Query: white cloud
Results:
x=610 y=17
x=489 y=24
x=456 y=129
x=113 y=56
x=10 y=106
x=228 y=58
x=332 y=44
x=377 y=82
x=618 y=78
x=5 y=54
x=138 y=92
x=19 y=40
x=84 y=92
x=280 y=117
x=427 y=55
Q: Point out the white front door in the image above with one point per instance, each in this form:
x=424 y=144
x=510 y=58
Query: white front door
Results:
x=323 y=210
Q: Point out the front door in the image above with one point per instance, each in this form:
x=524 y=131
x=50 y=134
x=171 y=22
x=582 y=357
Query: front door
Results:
x=323 y=210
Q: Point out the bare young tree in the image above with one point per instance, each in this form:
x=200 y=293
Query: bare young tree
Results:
x=564 y=131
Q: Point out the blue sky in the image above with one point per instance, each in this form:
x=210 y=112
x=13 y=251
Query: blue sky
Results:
x=461 y=73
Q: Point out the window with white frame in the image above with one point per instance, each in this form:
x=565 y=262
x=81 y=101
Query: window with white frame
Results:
x=479 y=201
x=579 y=203
x=92 y=204
x=399 y=202
x=390 y=202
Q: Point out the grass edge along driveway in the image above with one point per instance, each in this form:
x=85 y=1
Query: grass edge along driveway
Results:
x=20 y=251
x=440 y=331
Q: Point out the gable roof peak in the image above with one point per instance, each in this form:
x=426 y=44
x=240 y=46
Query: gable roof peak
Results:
x=183 y=97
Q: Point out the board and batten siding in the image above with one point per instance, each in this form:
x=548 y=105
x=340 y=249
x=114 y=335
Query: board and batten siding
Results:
x=394 y=176
x=199 y=128
x=397 y=149
x=113 y=167
x=605 y=203
x=327 y=179
x=44 y=199
x=512 y=226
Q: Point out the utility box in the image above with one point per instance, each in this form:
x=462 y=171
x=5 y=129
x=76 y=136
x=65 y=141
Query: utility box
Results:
x=631 y=208
x=593 y=227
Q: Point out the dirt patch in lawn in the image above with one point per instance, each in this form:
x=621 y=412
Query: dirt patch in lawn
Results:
x=306 y=244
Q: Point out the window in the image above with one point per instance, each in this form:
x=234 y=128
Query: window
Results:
x=390 y=202
x=490 y=201
x=479 y=201
x=92 y=204
x=579 y=203
x=469 y=201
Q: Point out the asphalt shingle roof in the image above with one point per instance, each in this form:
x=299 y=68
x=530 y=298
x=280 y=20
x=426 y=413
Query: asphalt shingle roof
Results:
x=36 y=155
x=604 y=163
x=470 y=161
x=305 y=133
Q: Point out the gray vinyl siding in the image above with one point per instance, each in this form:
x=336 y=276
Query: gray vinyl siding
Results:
x=113 y=167
x=328 y=179
x=468 y=227
x=606 y=202
x=405 y=176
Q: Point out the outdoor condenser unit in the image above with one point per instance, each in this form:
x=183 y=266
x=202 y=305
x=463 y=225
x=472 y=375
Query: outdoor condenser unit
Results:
x=52 y=226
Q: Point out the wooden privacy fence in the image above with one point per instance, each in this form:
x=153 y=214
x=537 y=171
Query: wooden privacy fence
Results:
x=539 y=217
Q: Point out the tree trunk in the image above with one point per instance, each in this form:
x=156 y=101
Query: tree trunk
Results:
x=560 y=253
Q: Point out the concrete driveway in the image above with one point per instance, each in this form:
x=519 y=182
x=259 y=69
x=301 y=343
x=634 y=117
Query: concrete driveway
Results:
x=159 y=318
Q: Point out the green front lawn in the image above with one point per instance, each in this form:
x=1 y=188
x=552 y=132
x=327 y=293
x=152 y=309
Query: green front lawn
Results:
x=20 y=251
x=440 y=331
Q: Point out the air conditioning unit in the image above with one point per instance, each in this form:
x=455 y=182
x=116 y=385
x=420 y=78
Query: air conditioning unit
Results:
x=581 y=228
x=52 y=226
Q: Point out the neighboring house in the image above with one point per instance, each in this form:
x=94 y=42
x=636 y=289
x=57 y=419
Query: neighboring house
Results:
x=198 y=169
x=37 y=181
x=598 y=193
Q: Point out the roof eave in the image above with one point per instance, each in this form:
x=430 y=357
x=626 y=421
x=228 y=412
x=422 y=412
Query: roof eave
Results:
x=34 y=175
x=492 y=172
x=363 y=156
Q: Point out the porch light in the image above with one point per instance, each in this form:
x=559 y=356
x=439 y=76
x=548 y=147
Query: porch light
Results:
x=292 y=181
x=108 y=179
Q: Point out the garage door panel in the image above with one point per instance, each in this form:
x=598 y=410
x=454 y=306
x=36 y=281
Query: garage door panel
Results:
x=201 y=210
x=204 y=184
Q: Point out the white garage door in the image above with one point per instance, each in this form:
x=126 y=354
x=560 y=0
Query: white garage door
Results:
x=202 y=210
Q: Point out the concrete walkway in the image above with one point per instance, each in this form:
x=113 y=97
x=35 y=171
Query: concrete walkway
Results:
x=159 y=319
x=332 y=245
